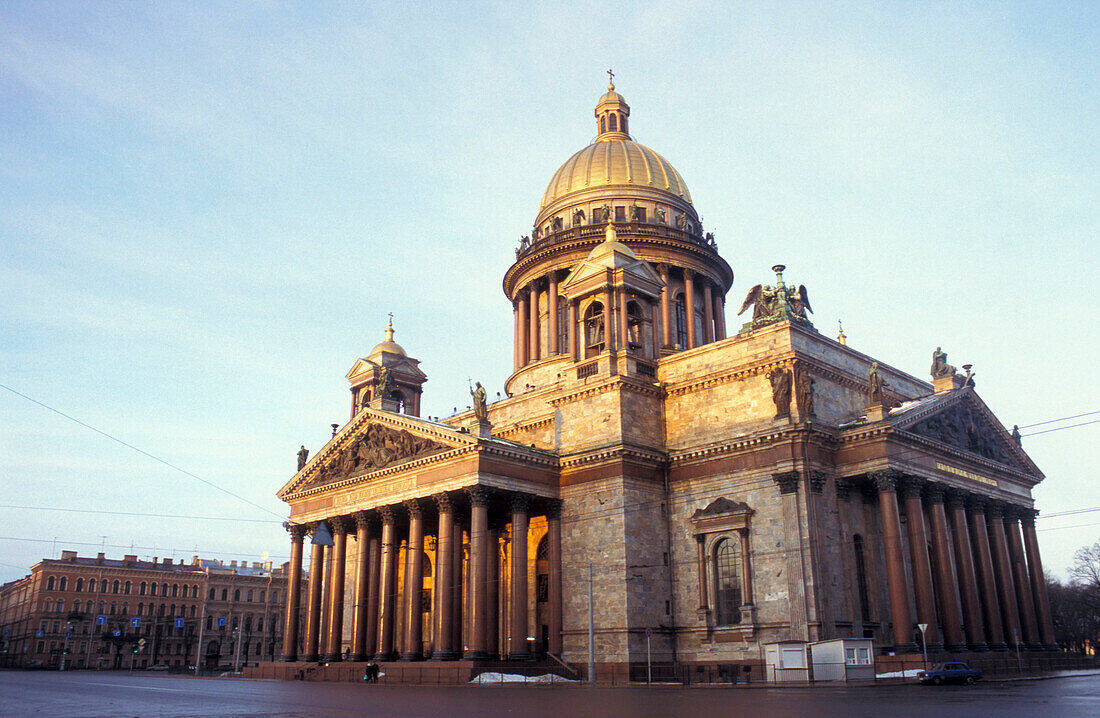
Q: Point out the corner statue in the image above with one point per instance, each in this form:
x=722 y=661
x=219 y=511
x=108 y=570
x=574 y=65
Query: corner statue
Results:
x=303 y=457
x=940 y=368
x=481 y=411
x=780 y=303
x=384 y=386
x=876 y=385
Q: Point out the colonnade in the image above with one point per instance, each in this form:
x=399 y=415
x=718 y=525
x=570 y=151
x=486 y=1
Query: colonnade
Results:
x=465 y=607
x=977 y=578
x=616 y=330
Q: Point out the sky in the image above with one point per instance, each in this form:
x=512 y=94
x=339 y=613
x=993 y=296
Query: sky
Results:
x=207 y=211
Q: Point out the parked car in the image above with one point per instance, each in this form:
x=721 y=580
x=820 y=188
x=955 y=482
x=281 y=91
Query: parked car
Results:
x=950 y=673
x=157 y=667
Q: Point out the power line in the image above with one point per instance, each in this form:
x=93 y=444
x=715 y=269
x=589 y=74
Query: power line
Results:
x=138 y=513
x=1060 y=428
x=1064 y=418
x=141 y=451
x=1075 y=526
x=132 y=547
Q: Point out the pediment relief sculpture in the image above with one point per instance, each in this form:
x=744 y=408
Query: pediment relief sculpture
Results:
x=964 y=428
x=378 y=447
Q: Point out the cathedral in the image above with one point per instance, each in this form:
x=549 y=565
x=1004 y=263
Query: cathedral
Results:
x=654 y=480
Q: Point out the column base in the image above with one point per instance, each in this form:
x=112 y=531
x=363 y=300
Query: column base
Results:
x=1052 y=647
x=332 y=658
x=445 y=656
x=288 y=658
x=955 y=647
x=934 y=647
x=1034 y=647
x=359 y=658
x=309 y=658
x=998 y=647
x=906 y=648
x=475 y=655
x=519 y=656
x=977 y=647
x=384 y=656
x=412 y=655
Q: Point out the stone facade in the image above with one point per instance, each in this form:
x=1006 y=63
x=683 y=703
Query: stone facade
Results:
x=722 y=492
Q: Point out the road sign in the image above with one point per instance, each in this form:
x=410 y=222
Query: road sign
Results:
x=68 y=634
x=117 y=632
x=135 y=622
x=7 y=631
x=100 y=620
x=649 y=633
x=221 y=621
x=141 y=642
x=179 y=623
x=38 y=634
x=923 y=627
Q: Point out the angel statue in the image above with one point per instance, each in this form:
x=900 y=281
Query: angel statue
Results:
x=799 y=301
x=762 y=300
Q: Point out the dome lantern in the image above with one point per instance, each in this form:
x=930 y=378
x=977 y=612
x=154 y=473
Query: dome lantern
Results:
x=611 y=115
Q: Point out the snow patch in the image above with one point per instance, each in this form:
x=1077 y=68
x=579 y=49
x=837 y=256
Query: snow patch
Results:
x=911 y=673
x=493 y=677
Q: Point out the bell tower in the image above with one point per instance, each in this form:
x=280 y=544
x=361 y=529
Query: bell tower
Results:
x=387 y=379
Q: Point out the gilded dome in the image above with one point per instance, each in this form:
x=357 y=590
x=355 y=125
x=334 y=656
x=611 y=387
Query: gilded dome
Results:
x=615 y=159
x=388 y=345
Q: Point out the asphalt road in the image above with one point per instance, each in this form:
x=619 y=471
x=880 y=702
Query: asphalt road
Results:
x=91 y=694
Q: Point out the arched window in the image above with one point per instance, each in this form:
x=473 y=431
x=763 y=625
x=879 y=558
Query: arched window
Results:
x=114 y=608
x=141 y=609
x=613 y=125
x=49 y=583
x=91 y=585
x=634 y=323
x=141 y=589
x=79 y=584
x=192 y=611
x=127 y=588
x=861 y=579
x=603 y=125
x=236 y=594
x=164 y=589
x=102 y=608
x=115 y=587
x=249 y=597
x=211 y=594
x=681 y=323
x=88 y=607
x=175 y=590
x=563 y=326
x=727 y=583
x=259 y=623
x=61 y=605
x=47 y=605
x=593 y=329
x=62 y=584
x=195 y=591
x=125 y=609
x=274 y=596
x=161 y=609
x=262 y=597
x=248 y=623
x=225 y=594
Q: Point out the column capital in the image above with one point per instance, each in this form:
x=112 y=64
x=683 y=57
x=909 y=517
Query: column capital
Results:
x=479 y=496
x=843 y=488
x=415 y=507
x=519 y=503
x=553 y=508
x=444 y=502
x=339 y=525
x=787 y=481
x=388 y=514
x=956 y=499
x=363 y=520
x=297 y=531
x=911 y=487
x=817 y=481
x=1012 y=512
x=935 y=492
x=995 y=509
x=976 y=504
x=1028 y=516
x=885 y=480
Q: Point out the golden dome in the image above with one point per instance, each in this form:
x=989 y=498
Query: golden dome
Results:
x=615 y=159
x=388 y=345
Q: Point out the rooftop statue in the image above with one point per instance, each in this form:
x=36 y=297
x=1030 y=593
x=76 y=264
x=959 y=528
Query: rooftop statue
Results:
x=303 y=457
x=481 y=411
x=940 y=368
x=777 y=304
x=876 y=385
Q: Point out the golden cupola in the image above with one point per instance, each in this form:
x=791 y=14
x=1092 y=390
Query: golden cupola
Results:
x=620 y=182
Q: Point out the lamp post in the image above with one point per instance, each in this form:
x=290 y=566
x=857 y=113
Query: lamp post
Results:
x=923 y=643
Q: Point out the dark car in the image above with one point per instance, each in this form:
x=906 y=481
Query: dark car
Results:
x=950 y=673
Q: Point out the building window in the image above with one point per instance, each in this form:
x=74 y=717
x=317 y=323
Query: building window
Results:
x=60 y=605
x=236 y=594
x=49 y=583
x=603 y=125
x=79 y=584
x=164 y=589
x=47 y=606
x=225 y=594
x=114 y=608
x=563 y=328
x=620 y=214
x=274 y=596
x=614 y=124
x=727 y=583
x=249 y=597
x=211 y=594
x=114 y=587
x=593 y=329
x=128 y=588
x=61 y=585
x=209 y=622
x=681 y=323
x=141 y=609
x=259 y=623
x=175 y=590
x=861 y=579
x=141 y=589
x=262 y=594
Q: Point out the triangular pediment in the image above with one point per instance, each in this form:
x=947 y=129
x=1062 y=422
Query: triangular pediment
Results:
x=361 y=367
x=615 y=269
x=961 y=420
x=376 y=441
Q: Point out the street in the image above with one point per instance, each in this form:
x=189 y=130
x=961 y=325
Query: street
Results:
x=114 y=694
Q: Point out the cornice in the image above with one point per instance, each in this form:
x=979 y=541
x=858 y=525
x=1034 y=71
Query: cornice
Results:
x=612 y=452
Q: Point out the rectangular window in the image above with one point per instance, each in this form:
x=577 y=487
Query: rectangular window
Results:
x=641 y=214
x=543 y=590
x=793 y=658
x=620 y=214
x=865 y=656
x=850 y=656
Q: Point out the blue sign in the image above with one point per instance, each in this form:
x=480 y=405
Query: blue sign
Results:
x=135 y=622
x=38 y=634
x=7 y=631
x=221 y=621
x=179 y=623
x=117 y=632
x=68 y=634
x=100 y=620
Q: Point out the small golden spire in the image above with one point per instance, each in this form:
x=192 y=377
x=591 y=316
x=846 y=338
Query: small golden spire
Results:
x=389 y=329
x=609 y=235
x=840 y=337
x=610 y=81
